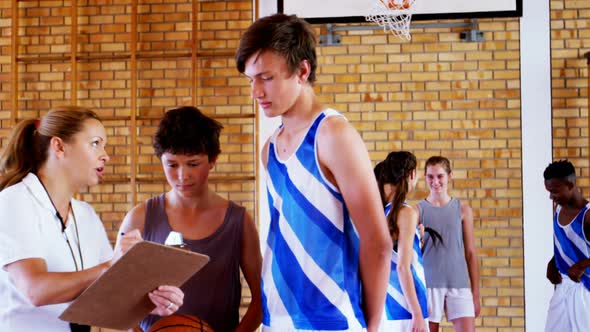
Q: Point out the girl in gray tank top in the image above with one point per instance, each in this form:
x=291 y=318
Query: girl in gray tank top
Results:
x=450 y=252
x=450 y=265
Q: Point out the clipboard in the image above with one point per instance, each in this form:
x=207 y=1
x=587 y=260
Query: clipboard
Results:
x=118 y=299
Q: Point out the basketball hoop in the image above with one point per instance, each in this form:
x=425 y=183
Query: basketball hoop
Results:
x=392 y=15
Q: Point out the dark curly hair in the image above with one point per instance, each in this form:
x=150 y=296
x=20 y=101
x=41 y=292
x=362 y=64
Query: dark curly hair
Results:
x=562 y=169
x=396 y=170
x=185 y=130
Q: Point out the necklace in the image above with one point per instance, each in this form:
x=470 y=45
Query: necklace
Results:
x=284 y=145
x=63 y=231
x=77 y=242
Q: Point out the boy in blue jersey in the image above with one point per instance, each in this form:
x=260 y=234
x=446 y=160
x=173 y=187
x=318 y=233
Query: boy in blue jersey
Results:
x=326 y=265
x=569 y=269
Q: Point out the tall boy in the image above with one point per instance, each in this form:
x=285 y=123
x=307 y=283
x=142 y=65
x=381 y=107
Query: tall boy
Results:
x=569 y=269
x=326 y=263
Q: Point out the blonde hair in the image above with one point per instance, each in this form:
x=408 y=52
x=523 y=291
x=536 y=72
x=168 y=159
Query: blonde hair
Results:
x=29 y=141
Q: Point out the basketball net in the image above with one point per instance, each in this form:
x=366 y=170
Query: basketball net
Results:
x=392 y=15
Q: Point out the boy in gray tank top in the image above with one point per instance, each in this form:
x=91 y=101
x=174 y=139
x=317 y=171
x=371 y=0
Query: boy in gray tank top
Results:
x=450 y=265
x=187 y=143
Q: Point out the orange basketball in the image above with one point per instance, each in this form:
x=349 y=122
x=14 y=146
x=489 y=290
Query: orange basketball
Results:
x=398 y=6
x=180 y=323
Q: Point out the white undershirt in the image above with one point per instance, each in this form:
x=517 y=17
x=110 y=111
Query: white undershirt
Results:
x=29 y=228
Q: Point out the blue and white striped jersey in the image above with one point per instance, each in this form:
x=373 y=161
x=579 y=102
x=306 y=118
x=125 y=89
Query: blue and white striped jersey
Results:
x=310 y=274
x=396 y=306
x=570 y=245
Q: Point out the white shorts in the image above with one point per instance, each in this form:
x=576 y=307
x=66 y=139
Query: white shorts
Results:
x=569 y=307
x=455 y=302
x=292 y=329
x=403 y=325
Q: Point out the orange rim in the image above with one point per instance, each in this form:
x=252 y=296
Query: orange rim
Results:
x=398 y=6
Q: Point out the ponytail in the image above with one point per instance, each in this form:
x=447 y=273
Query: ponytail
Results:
x=378 y=171
x=28 y=145
x=19 y=157
x=397 y=202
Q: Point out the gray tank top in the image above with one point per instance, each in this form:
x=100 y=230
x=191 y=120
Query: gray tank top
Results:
x=214 y=293
x=444 y=264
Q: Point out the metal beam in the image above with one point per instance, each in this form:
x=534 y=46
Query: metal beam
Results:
x=471 y=35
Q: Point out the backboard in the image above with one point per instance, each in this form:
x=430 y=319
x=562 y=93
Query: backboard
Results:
x=347 y=11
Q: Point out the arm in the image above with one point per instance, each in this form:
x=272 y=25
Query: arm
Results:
x=470 y=255
x=41 y=287
x=23 y=258
x=130 y=230
x=345 y=162
x=407 y=223
x=134 y=219
x=552 y=273
x=251 y=265
x=129 y=234
x=576 y=271
x=420 y=224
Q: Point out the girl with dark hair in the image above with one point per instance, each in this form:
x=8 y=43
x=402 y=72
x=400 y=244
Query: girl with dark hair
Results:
x=405 y=305
x=52 y=245
x=452 y=274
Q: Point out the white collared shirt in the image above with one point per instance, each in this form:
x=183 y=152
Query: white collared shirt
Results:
x=29 y=228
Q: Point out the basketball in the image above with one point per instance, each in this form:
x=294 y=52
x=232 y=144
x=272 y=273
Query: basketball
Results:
x=180 y=323
x=393 y=4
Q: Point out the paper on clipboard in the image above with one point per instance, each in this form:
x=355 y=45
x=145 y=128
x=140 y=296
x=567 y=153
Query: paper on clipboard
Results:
x=118 y=299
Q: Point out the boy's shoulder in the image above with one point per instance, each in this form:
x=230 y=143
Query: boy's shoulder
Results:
x=333 y=122
x=337 y=135
x=567 y=213
x=587 y=214
x=570 y=209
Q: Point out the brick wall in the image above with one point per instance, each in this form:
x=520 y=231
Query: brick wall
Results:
x=5 y=14
x=104 y=79
x=570 y=39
